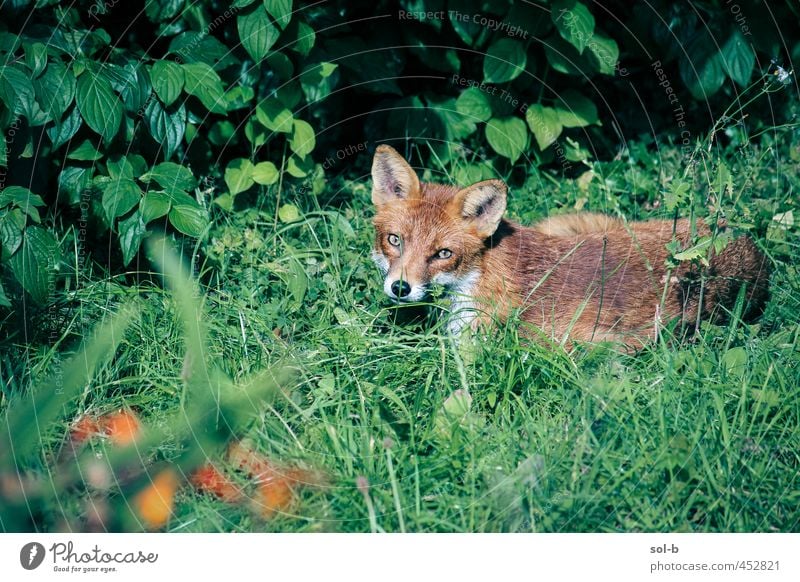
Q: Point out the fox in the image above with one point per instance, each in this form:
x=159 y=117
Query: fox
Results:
x=586 y=277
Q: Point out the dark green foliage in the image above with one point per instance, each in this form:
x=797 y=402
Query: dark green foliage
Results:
x=244 y=95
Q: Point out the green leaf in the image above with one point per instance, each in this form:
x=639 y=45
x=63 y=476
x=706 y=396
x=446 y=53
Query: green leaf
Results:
x=16 y=91
x=564 y=58
x=507 y=136
x=98 y=105
x=9 y=43
x=36 y=57
x=190 y=220
x=317 y=81
x=138 y=163
x=574 y=22
x=273 y=115
x=257 y=33
x=723 y=184
x=64 y=131
x=20 y=197
x=297 y=168
x=676 y=194
x=289 y=213
x=222 y=133
x=701 y=67
x=721 y=241
x=470 y=31
x=738 y=58
x=119 y=196
x=86 y=152
x=280 y=65
x=167 y=78
x=23 y=199
x=443 y=60
x=55 y=90
x=131 y=233
x=545 y=124
x=224 y=201
x=35 y=262
x=72 y=182
x=575 y=110
x=12 y=223
x=239 y=175
x=603 y=54
x=203 y=82
x=344 y=226
x=120 y=167
x=457 y=126
x=327 y=384
x=698 y=251
x=201 y=47
x=4 y=302
x=180 y=198
x=154 y=204
x=77 y=41
x=303 y=139
x=158 y=12
x=735 y=361
x=166 y=128
x=504 y=61
x=305 y=39
x=135 y=89
x=255 y=132
x=473 y=104
x=171 y=176
x=471 y=173
x=297 y=281
x=239 y=97
x=458 y=404
x=265 y=173
x=280 y=10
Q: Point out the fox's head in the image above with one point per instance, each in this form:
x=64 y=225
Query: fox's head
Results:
x=429 y=233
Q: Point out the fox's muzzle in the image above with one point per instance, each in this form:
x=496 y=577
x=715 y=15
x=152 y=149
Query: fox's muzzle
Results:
x=403 y=291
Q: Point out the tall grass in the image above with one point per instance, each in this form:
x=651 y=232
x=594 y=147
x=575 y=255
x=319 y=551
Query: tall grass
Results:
x=418 y=433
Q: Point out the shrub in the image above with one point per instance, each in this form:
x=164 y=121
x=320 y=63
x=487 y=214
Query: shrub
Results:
x=120 y=123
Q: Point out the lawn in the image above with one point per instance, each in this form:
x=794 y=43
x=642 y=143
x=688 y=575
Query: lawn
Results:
x=409 y=430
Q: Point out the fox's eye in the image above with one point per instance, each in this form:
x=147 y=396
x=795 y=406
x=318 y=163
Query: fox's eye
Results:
x=394 y=240
x=444 y=254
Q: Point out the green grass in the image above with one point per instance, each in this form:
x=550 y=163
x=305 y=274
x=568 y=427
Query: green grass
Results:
x=695 y=435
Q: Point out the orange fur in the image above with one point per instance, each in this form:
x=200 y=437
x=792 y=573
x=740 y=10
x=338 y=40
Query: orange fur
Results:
x=575 y=224
x=585 y=276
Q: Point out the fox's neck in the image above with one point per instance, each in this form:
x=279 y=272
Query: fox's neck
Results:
x=513 y=250
x=496 y=285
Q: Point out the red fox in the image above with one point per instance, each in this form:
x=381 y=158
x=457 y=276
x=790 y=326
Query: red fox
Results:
x=586 y=277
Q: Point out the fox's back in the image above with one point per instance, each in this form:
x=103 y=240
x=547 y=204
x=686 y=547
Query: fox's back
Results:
x=596 y=278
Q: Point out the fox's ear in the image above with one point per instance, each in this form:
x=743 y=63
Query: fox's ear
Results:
x=483 y=205
x=392 y=177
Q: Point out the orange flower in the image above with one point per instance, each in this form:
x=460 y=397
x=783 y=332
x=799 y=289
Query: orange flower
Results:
x=275 y=483
x=274 y=495
x=208 y=479
x=122 y=427
x=155 y=502
x=244 y=459
x=84 y=428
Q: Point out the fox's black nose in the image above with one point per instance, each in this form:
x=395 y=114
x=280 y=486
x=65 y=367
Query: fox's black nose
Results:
x=401 y=288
